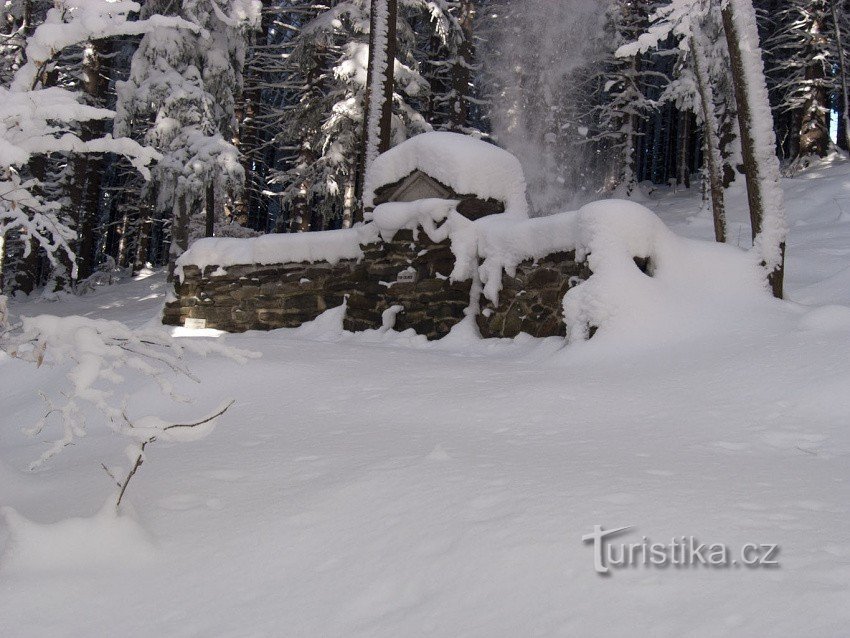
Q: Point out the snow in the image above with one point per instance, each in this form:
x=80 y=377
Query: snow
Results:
x=331 y=246
x=465 y=164
x=377 y=485
x=693 y=284
x=105 y=541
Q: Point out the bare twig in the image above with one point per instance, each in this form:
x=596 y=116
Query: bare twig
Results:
x=132 y=472
x=207 y=420
x=140 y=457
x=110 y=474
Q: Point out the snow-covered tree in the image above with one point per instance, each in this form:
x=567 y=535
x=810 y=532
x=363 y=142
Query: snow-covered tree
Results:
x=184 y=85
x=703 y=65
x=323 y=129
x=39 y=118
x=758 y=140
x=624 y=103
x=802 y=61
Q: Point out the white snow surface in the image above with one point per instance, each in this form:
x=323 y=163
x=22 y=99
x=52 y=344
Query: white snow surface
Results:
x=376 y=484
x=463 y=163
x=330 y=245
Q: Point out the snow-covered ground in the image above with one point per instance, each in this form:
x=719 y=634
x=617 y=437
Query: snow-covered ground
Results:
x=378 y=485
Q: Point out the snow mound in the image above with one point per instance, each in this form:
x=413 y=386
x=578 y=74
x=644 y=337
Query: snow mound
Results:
x=465 y=164
x=103 y=540
x=692 y=288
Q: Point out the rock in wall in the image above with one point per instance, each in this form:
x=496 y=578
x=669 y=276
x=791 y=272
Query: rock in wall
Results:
x=259 y=297
x=413 y=273
x=531 y=300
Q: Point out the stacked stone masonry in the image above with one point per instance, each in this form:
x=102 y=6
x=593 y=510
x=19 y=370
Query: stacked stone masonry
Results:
x=407 y=271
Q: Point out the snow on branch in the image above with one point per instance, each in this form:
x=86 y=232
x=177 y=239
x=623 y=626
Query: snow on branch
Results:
x=73 y=22
x=98 y=354
x=36 y=120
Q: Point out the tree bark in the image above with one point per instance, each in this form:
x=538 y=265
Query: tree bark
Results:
x=842 y=69
x=459 y=116
x=209 y=212
x=143 y=238
x=711 y=142
x=380 y=85
x=179 y=234
x=814 y=125
x=758 y=141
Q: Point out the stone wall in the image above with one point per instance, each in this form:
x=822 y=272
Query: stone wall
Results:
x=530 y=302
x=413 y=273
x=260 y=297
x=407 y=272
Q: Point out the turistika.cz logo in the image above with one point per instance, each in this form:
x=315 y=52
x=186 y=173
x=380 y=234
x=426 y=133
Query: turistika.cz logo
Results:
x=681 y=551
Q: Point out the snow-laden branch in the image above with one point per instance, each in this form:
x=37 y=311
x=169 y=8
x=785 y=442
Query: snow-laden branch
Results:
x=98 y=353
x=36 y=120
x=73 y=22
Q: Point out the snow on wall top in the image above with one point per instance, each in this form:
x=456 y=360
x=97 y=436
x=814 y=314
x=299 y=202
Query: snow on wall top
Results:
x=329 y=245
x=465 y=164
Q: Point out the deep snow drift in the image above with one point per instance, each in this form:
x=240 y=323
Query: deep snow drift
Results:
x=380 y=485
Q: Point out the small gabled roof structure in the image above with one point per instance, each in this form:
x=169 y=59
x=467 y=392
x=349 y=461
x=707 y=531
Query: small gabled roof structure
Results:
x=483 y=177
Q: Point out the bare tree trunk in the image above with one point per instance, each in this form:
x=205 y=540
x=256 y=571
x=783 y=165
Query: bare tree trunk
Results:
x=89 y=168
x=814 y=125
x=711 y=141
x=683 y=142
x=209 y=216
x=758 y=141
x=179 y=234
x=124 y=238
x=143 y=239
x=459 y=116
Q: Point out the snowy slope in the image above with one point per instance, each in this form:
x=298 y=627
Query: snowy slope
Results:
x=378 y=485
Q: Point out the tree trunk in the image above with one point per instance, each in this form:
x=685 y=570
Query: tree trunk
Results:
x=380 y=84
x=814 y=127
x=348 y=202
x=143 y=240
x=758 y=141
x=459 y=116
x=683 y=141
x=209 y=216
x=179 y=234
x=89 y=168
x=842 y=69
x=711 y=141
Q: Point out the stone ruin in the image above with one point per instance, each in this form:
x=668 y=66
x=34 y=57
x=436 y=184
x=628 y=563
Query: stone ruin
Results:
x=413 y=273
x=402 y=275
